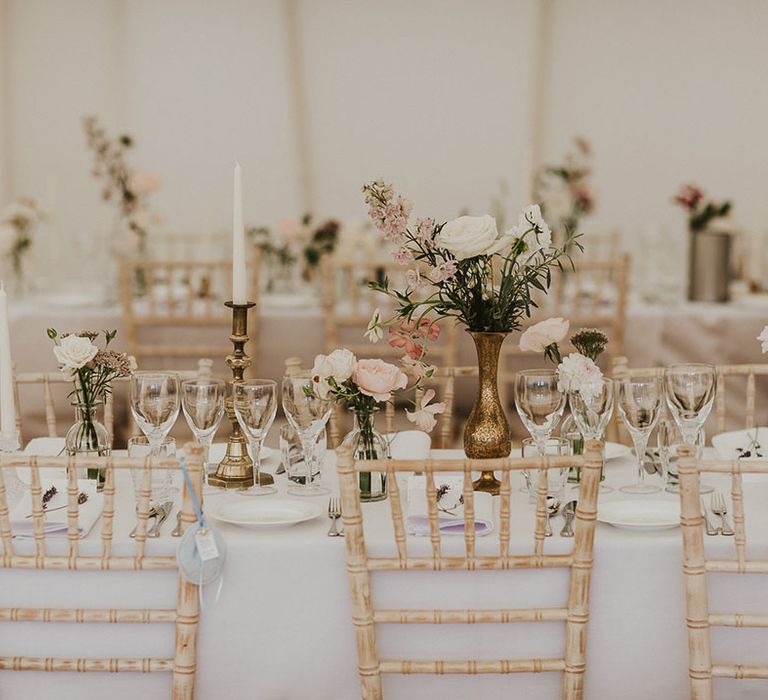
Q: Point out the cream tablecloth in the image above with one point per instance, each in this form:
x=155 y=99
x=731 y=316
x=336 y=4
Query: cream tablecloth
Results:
x=282 y=628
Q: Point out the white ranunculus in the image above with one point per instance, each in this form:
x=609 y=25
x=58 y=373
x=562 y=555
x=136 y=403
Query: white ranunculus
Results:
x=544 y=333
x=763 y=338
x=75 y=352
x=577 y=373
x=339 y=365
x=470 y=236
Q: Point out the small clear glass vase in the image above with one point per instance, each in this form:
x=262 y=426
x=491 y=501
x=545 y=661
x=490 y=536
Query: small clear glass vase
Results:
x=569 y=430
x=367 y=443
x=88 y=436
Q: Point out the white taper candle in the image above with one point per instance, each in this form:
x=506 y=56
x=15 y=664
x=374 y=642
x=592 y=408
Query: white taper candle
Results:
x=239 y=285
x=7 y=410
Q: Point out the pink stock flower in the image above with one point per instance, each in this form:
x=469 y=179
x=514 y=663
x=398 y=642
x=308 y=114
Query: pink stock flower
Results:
x=389 y=214
x=424 y=418
x=403 y=256
x=425 y=229
x=443 y=272
x=418 y=369
x=378 y=379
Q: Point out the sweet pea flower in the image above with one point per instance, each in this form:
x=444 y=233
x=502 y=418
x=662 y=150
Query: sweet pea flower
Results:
x=374 y=332
x=410 y=337
x=424 y=417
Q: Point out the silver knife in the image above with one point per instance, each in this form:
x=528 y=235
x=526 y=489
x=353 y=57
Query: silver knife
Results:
x=163 y=512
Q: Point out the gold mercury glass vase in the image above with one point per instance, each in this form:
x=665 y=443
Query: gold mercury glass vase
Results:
x=486 y=434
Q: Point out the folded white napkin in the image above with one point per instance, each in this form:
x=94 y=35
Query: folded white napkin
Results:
x=450 y=507
x=45 y=446
x=55 y=522
x=409 y=444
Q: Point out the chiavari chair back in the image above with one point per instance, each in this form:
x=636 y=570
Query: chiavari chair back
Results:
x=187 y=245
x=26 y=387
x=362 y=563
x=186 y=296
x=700 y=619
x=47 y=552
x=733 y=381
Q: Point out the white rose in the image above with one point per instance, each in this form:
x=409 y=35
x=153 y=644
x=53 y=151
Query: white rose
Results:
x=470 y=236
x=577 y=372
x=763 y=338
x=539 y=335
x=339 y=365
x=75 y=352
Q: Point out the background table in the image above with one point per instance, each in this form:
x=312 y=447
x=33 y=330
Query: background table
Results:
x=282 y=628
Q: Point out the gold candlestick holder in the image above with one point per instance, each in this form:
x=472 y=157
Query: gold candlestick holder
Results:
x=236 y=469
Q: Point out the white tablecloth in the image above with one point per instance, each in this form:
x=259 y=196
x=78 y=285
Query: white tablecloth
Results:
x=282 y=628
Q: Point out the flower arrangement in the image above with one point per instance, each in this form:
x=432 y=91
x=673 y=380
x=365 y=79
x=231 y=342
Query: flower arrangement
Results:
x=92 y=370
x=17 y=227
x=577 y=369
x=700 y=212
x=296 y=241
x=565 y=189
x=361 y=385
x=463 y=269
x=120 y=183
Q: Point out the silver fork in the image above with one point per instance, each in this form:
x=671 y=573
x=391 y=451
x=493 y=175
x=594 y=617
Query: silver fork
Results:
x=334 y=513
x=717 y=504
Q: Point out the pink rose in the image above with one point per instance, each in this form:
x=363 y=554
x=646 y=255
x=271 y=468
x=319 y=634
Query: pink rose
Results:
x=378 y=379
x=544 y=333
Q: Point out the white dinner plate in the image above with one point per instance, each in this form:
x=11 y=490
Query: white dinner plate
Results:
x=640 y=514
x=267 y=512
x=614 y=450
x=733 y=444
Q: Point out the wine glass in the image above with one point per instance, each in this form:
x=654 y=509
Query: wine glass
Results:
x=592 y=407
x=690 y=395
x=640 y=403
x=155 y=405
x=202 y=401
x=539 y=403
x=669 y=438
x=255 y=402
x=308 y=413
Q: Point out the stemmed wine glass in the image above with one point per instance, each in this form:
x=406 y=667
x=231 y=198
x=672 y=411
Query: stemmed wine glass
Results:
x=690 y=395
x=155 y=405
x=202 y=401
x=308 y=413
x=640 y=404
x=592 y=407
x=255 y=402
x=539 y=404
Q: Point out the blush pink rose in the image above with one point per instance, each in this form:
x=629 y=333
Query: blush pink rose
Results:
x=378 y=379
x=539 y=335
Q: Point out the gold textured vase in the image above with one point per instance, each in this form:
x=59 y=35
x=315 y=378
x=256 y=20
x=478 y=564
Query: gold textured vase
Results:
x=486 y=434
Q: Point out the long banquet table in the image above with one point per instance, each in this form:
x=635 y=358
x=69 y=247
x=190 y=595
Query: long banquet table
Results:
x=282 y=627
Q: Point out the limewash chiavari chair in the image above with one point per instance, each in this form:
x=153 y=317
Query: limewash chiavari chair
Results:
x=50 y=381
x=696 y=565
x=187 y=296
x=360 y=565
x=185 y=616
x=188 y=246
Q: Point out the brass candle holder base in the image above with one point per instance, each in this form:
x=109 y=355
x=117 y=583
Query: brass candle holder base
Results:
x=235 y=471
